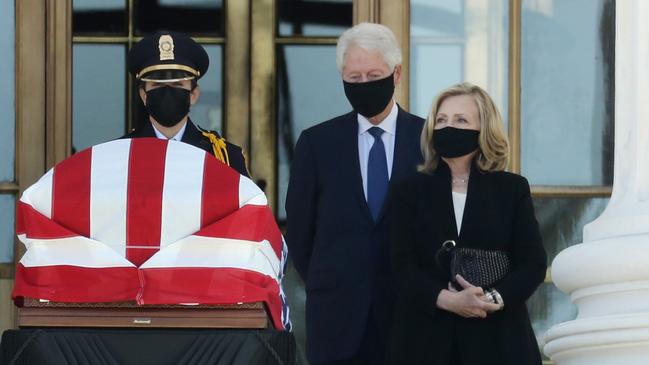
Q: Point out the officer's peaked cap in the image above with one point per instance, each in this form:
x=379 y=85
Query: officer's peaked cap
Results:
x=167 y=57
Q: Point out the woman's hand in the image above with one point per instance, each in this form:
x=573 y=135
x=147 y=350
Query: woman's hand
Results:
x=466 y=285
x=470 y=302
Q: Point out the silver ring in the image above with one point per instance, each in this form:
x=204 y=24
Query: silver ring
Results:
x=489 y=296
x=448 y=244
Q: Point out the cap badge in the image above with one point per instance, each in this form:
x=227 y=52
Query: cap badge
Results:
x=166 y=46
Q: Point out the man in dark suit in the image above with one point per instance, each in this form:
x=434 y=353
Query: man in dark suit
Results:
x=336 y=204
x=167 y=66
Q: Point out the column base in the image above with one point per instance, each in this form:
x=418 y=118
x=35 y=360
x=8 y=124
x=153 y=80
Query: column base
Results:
x=607 y=340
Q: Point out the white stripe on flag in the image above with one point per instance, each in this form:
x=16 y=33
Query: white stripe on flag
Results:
x=75 y=251
x=39 y=195
x=182 y=192
x=108 y=186
x=211 y=252
x=249 y=193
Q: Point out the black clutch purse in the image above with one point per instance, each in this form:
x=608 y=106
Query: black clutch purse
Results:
x=483 y=268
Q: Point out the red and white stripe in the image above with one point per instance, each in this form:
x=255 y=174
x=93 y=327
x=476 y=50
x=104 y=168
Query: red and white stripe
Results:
x=160 y=222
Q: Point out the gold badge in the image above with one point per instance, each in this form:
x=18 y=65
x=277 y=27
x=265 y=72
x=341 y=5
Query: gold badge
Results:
x=166 y=46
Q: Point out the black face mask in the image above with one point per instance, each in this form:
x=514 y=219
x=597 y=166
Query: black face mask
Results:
x=455 y=142
x=370 y=98
x=167 y=105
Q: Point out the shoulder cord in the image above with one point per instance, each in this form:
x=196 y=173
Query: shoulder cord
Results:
x=219 y=147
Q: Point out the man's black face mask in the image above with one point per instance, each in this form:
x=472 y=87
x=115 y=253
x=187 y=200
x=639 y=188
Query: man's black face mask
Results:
x=168 y=105
x=370 y=98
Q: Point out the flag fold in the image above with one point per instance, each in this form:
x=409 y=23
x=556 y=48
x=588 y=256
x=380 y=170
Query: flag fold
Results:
x=151 y=221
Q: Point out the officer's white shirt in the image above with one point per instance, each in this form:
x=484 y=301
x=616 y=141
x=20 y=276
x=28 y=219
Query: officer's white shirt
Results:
x=178 y=137
x=366 y=141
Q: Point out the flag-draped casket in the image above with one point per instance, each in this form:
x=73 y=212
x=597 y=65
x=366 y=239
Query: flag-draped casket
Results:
x=151 y=221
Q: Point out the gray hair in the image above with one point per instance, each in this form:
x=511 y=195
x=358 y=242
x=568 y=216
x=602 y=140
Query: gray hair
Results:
x=370 y=37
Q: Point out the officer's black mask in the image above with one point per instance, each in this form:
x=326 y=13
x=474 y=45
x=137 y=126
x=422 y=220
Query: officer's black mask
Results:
x=370 y=98
x=168 y=105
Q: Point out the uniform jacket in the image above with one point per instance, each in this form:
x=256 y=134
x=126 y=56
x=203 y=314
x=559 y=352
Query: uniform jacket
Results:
x=335 y=245
x=498 y=215
x=193 y=135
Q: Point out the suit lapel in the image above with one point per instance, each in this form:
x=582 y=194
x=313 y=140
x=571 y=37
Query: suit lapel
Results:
x=475 y=193
x=400 y=161
x=192 y=135
x=442 y=203
x=398 y=153
x=352 y=163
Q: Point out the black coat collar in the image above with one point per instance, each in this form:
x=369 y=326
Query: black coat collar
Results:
x=444 y=200
x=192 y=134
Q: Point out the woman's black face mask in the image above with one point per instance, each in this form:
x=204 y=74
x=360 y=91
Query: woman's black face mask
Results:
x=370 y=98
x=452 y=142
x=168 y=105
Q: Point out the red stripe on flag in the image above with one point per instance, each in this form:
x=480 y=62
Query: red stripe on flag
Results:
x=20 y=220
x=220 y=195
x=212 y=286
x=251 y=223
x=144 y=198
x=65 y=283
x=71 y=193
x=36 y=225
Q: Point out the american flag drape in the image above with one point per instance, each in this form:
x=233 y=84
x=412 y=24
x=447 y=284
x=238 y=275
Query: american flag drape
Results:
x=155 y=221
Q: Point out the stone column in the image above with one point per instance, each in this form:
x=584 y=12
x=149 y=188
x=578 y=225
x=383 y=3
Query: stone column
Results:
x=607 y=276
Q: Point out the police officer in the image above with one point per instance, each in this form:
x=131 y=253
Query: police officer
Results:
x=167 y=66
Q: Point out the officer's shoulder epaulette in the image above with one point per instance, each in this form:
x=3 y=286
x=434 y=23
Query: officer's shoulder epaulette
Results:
x=201 y=129
x=219 y=145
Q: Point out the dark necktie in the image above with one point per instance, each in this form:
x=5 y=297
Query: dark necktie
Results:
x=377 y=174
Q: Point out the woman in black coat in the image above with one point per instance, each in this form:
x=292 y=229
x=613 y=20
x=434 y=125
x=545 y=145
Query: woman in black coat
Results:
x=463 y=194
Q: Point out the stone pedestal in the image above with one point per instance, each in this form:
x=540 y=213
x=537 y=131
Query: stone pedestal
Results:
x=607 y=276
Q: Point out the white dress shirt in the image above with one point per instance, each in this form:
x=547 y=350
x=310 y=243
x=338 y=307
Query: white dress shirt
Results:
x=366 y=141
x=178 y=137
x=459 y=201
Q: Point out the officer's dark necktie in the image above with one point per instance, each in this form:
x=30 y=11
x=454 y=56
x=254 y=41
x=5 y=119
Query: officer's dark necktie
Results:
x=377 y=174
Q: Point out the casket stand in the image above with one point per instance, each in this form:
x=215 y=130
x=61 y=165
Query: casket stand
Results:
x=127 y=333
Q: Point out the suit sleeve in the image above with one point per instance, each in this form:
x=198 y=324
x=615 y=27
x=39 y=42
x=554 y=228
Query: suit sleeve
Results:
x=301 y=200
x=528 y=255
x=419 y=286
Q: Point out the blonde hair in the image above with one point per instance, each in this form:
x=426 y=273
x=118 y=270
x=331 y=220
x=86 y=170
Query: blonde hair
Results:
x=493 y=150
